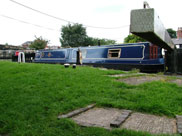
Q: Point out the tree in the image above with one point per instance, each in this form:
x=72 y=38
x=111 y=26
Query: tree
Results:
x=94 y=41
x=73 y=35
x=107 y=41
x=172 y=33
x=39 y=43
x=131 y=38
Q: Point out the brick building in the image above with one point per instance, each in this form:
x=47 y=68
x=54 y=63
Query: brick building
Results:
x=178 y=41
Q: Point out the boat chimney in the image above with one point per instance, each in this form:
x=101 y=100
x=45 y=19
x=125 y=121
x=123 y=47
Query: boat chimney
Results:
x=145 y=5
x=98 y=42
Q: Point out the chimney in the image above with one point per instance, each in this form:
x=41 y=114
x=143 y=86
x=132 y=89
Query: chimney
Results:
x=179 y=33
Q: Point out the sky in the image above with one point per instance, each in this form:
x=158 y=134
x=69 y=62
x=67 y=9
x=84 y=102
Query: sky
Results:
x=95 y=13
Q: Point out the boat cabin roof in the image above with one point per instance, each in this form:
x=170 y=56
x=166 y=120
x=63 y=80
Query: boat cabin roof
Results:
x=115 y=45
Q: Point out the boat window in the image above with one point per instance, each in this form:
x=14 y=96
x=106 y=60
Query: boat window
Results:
x=153 y=52
x=49 y=54
x=114 y=53
x=37 y=55
x=84 y=53
x=42 y=54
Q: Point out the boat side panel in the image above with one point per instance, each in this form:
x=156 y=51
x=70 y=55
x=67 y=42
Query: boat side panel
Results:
x=130 y=54
x=51 y=56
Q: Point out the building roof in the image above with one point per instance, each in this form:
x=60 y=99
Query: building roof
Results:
x=9 y=47
x=177 y=41
x=27 y=43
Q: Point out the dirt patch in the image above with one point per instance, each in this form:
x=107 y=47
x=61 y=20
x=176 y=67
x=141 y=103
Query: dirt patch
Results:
x=142 y=79
x=124 y=75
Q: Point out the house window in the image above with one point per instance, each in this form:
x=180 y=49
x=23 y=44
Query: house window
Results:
x=114 y=53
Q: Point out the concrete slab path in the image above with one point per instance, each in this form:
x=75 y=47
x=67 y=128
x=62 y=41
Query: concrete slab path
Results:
x=110 y=118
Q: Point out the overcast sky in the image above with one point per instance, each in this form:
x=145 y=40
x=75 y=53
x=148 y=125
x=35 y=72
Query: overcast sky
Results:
x=97 y=13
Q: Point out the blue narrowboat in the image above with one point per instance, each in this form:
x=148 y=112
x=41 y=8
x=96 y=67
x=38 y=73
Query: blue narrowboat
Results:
x=144 y=56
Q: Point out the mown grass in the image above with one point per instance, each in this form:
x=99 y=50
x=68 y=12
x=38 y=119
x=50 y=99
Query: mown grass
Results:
x=33 y=95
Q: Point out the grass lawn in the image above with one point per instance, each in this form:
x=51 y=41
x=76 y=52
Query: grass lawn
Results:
x=33 y=95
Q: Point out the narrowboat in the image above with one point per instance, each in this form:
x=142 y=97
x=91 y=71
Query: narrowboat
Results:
x=144 y=56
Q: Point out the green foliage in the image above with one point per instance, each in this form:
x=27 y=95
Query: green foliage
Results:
x=172 y=33
x=76 y=36
x=94 y=41
x=39 y=43
x=33 y=95
x=73 y=35
x=133 y=39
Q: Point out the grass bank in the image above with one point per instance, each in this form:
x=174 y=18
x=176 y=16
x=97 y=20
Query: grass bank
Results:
x=33 y=95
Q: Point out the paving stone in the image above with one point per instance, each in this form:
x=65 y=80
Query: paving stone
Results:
x=179 y=126
x=76 y=112
x=179 y=123
x=179 y=118
x=100 y=117
x=120 y=119
x=177 y=81
x=150 y=123
x=179 y=131
x=109 y=117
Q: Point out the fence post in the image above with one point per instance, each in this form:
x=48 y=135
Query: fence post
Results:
x=175 y=60
x=21 y=58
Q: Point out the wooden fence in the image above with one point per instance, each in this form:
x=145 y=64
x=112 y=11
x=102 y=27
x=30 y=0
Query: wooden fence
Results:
x=173 y=61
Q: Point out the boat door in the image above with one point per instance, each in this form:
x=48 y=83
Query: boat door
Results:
x=79 y=59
